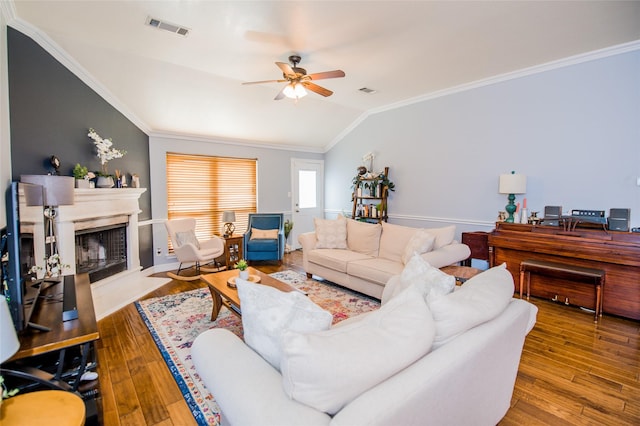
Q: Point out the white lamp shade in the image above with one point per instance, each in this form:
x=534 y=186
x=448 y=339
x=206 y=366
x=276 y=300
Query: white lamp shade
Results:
x=9 y=343
x=57 y=190
x=512 y=184
x=228 y=217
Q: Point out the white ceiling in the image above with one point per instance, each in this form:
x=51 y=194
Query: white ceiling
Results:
x=191 y=85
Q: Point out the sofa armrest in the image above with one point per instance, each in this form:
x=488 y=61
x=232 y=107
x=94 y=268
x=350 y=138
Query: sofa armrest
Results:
x=447 y=255
x=469 y=380
x=308 y=242
x=245 y=386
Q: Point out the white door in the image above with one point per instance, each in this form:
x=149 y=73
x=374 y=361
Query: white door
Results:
x=307 y=181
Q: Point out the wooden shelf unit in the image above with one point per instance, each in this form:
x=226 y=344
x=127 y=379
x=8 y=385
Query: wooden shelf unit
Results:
x=365 y=203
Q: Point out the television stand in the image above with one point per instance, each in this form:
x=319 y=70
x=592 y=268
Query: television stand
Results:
x=80 y=332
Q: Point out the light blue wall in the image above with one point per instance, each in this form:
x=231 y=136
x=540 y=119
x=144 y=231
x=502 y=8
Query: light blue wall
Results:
x=274 y=176
x=574 y=131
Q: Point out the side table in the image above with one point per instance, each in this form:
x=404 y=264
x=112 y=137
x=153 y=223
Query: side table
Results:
x=478 y=242
x=233 y=250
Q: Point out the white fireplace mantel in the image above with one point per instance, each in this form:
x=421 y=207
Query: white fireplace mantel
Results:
x=92 y=208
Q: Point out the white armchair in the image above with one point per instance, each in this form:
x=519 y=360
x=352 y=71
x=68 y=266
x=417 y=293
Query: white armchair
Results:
x=190 y=250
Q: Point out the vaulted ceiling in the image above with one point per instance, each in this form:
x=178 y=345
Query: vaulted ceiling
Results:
x=403 y=50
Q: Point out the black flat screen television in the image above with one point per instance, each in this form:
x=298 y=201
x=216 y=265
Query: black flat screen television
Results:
x=20 y=286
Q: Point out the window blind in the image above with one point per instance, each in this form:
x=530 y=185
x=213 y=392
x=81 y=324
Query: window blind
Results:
x=202 y=187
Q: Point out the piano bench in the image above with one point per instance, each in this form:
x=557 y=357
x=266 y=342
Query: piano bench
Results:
x=581 y=274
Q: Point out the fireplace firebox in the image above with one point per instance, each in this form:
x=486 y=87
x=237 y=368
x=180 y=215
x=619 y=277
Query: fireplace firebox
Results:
x=101 y=252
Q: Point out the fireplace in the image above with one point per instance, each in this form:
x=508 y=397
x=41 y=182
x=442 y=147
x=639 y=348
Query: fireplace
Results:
x=98 y=234
x=101 y=252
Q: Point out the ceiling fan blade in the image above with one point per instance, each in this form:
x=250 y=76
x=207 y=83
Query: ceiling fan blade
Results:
x=327 y=74
x=318 y=89
x=264 y=81
x=280 y=94
x=286 y=69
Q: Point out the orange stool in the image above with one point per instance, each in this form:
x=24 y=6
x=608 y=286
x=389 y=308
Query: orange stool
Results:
x=47 y=407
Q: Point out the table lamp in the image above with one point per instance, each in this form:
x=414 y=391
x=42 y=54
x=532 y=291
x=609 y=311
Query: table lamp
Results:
x=53 y=191
x=228 y=217
x=9 y=343
x=512 y=184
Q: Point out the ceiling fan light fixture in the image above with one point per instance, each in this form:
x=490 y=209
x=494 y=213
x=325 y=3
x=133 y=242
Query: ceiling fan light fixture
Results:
x=294 y=91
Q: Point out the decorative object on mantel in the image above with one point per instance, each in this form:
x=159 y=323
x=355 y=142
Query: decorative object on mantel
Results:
x=135 y=181
x=55 y=163
x=512 y=184
x=83 y=176
x=105 y=152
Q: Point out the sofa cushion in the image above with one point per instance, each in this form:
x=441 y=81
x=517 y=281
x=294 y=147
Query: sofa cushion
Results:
x=422 y=241
x=267 y=312
x=363 y=237
x=377 y=270
x=393 y=241
x=328 y=369
x=270 y=234
x=336 y=259
x=444 y=236
x=418 y=272
x=331 y=233
x=478 y=300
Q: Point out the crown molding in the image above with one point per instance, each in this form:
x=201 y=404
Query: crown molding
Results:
x=73 y=66
x=234 y=142
x=537 y=69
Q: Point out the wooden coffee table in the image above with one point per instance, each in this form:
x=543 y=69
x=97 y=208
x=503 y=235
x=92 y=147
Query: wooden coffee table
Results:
x=223 y=295
x=462 y=273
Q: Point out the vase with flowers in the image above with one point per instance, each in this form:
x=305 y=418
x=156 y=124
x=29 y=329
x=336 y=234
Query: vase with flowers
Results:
x=105 y=152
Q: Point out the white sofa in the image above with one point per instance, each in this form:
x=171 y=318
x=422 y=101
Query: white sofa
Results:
x=467 y=379
x=367 y=255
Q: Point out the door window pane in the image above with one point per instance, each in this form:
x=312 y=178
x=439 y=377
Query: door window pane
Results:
x=307 y=189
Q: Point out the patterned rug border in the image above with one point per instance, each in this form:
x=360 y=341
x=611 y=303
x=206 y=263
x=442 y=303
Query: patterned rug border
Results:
x=200 y=403
x=173 y=368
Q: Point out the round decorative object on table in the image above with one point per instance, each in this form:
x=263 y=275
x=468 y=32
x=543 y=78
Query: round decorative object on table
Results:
x=231 y=282
x=105 y=182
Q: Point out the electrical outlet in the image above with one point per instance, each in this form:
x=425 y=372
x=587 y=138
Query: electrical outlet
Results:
x=159 y=252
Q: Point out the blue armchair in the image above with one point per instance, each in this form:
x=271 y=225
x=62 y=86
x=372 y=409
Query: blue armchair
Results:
x=264 y=239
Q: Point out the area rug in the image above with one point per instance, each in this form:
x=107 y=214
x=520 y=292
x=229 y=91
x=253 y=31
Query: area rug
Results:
x=176 y=320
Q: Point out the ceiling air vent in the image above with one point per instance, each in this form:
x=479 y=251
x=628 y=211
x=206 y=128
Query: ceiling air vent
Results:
x=167 y=26
x=367 y=90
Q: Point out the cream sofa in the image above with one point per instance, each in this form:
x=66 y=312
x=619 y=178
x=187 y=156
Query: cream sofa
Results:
x=463 y=373
x=365 y=256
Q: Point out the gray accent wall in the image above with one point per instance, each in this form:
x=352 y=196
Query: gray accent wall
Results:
x=51 y=111
x=574 y=131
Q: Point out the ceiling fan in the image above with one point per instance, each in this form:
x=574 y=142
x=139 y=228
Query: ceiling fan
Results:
x=298 y=80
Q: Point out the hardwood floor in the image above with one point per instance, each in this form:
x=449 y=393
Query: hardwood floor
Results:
x=572 y=371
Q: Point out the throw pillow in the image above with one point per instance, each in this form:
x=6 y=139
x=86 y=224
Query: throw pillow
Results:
x=267 y=312
x=444 y=236
x=328 y=369
x=478 y=300
x=331 y=233
x=363 y=237
x=418 y=272
x=421 y=242
x=186 y=237
x=394 y=239
x=263 y=234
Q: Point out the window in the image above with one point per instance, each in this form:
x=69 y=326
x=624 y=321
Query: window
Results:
x=203 y=187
